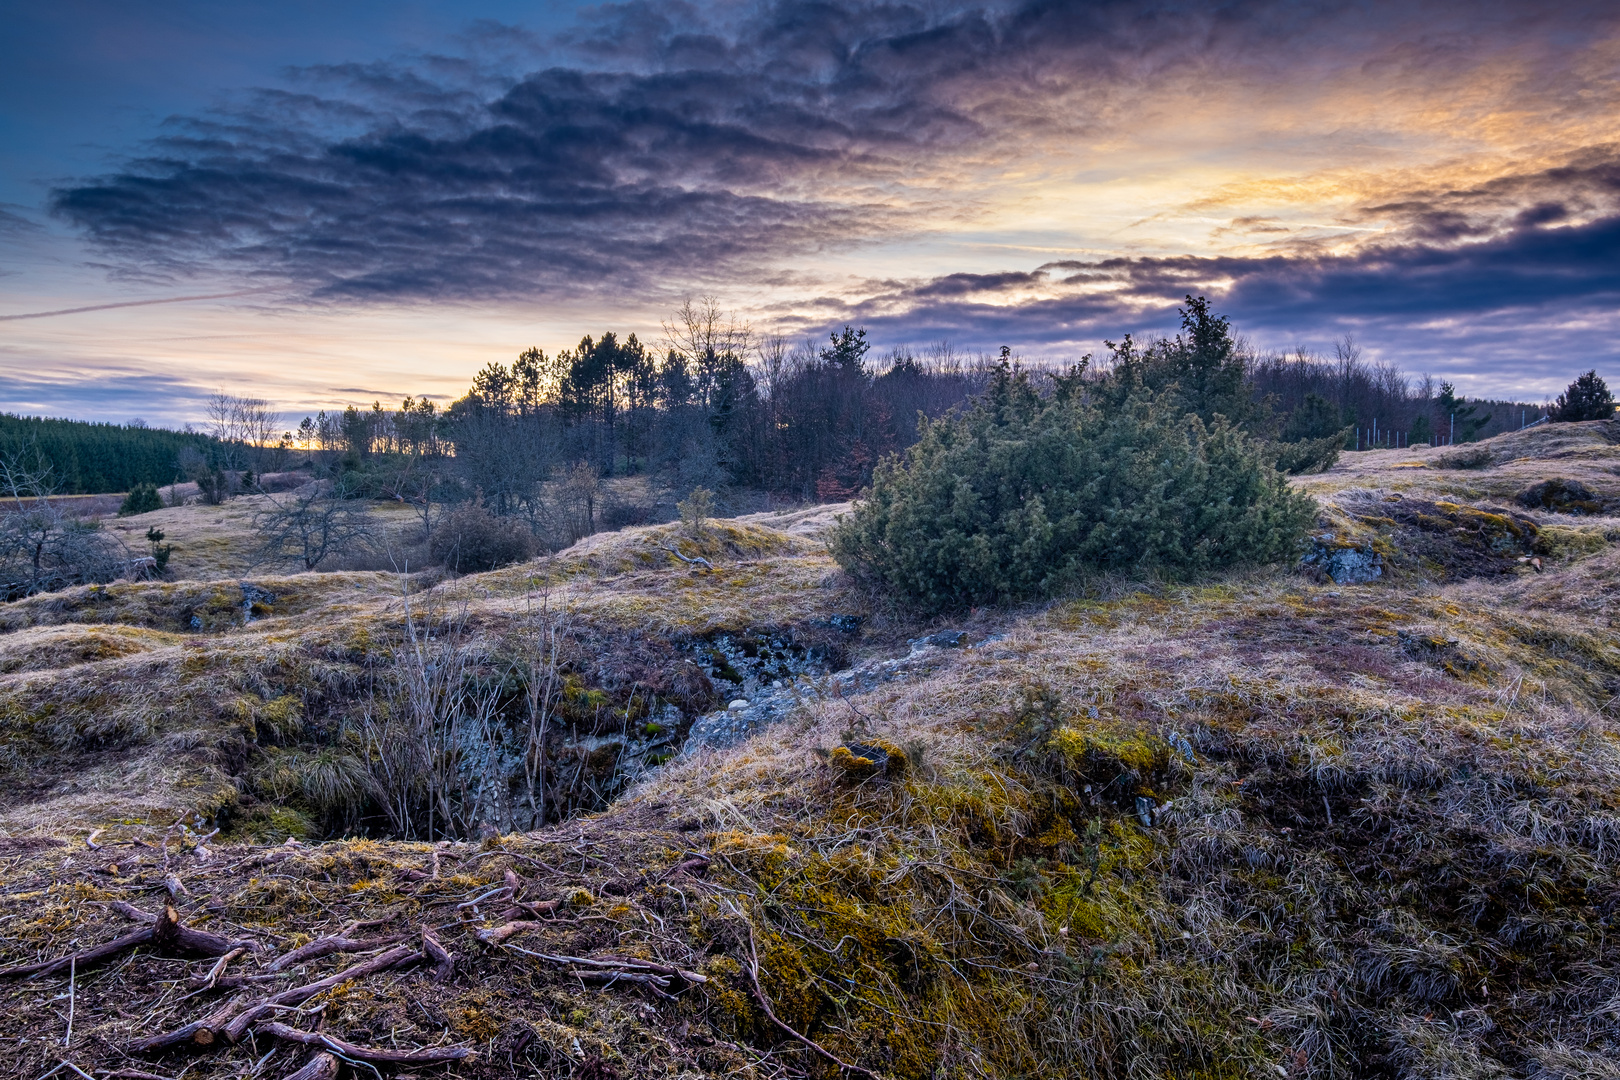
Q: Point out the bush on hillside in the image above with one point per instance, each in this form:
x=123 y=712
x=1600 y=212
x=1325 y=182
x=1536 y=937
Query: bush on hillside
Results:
x=471 y=539
x=142 y=499
x=1022 y=495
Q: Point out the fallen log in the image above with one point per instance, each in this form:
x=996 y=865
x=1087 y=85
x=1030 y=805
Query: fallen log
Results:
x=168 y=932
x=164 y=932
x=81 y=959
x=374 y=1055
x=297 y=995
x=494 y=935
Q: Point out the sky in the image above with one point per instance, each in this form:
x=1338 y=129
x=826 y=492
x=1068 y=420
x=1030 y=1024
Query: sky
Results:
x=328 y=204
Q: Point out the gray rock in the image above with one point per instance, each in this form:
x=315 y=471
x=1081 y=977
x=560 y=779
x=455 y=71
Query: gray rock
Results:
x=1345 y=562
x=944 y=639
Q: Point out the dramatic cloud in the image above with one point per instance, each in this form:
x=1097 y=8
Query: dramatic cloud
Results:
x=678 y=147
x=1033 y=172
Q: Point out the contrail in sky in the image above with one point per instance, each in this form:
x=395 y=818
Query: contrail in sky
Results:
x=126 y=303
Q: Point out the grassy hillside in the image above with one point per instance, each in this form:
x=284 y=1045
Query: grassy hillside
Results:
x=1266 y=824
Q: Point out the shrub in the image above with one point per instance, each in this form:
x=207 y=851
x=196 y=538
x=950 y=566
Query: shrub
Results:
x=471 y=539
x=1587 y=398
x=1312 y=437
x=696 y=509
x=142 y=499
x=1021 y=495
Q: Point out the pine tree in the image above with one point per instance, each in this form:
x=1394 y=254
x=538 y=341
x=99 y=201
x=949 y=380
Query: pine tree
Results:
x=1458 y=417
x=1587 y=398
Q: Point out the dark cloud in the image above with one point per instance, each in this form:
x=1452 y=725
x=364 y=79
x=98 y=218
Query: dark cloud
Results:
x=661 y=145
x=1522 y=297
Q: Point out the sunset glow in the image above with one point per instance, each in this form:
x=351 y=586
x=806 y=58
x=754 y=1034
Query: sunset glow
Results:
x=1439 y=181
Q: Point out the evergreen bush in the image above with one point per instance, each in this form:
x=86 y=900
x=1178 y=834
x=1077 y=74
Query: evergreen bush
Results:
x=1022 y=495
x=142 y=499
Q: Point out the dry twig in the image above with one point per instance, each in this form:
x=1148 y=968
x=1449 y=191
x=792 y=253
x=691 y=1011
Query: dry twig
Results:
x=372 y=1054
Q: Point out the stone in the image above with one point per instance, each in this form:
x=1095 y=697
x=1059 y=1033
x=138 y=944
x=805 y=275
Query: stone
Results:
x=1344 y=561
x=739 y=703
x=944 y=639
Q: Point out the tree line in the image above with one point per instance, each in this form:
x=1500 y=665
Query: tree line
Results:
x=91 y=458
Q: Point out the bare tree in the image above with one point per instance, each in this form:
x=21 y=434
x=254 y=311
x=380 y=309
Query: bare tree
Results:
x=42 y=549
x=245 y=427
x=444 y=757
x=312 y=523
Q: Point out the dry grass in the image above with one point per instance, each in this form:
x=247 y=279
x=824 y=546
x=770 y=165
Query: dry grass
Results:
x=1381 y=833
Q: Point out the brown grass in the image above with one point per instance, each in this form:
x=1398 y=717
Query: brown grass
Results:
x=1383 y=821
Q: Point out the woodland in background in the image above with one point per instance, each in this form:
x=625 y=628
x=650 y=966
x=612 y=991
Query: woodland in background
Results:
x=536 y=454
x=716 y=407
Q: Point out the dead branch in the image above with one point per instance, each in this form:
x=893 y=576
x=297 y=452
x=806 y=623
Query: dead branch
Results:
x=90 y=841
x=619 y=965
x=372 y=1054
x=657 y=983
x=698 y=561
x=655 y=966
x=202 y=1032
x=128 y=911
x=323 y=1066
x=297 y=995
x=444 y=962
x=765 y=1004
x=326 y=946
x=219 y=967
x=83 y=958
x=494 y=935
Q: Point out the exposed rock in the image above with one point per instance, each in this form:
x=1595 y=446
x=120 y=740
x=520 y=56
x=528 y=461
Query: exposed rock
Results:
x=1345 y=562
x=858 y=761
x=944 y=639
x=1449 y=540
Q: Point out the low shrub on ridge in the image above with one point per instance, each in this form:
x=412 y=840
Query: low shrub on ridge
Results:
x=1022 y=495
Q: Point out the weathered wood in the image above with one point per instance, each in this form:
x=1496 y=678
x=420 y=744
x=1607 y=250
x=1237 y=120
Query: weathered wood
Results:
x=444 y=962
x=81 y=959
x=326 y=946
x=297 y=995
x=204 y=1032
x=375 y=1055
x=323 y=1066
x=171 y=935
x=494 y=935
